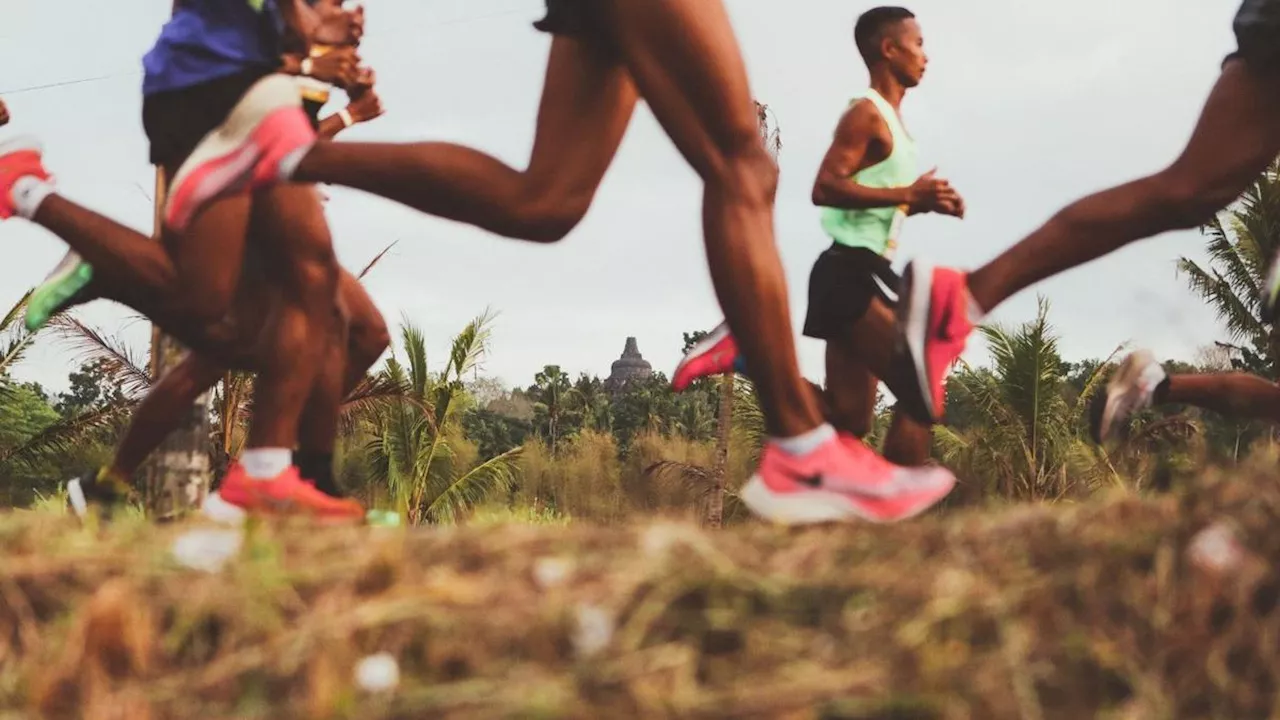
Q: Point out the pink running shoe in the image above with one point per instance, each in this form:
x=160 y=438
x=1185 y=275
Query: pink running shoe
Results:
x=714 y=354
x=19 y=157
x=246 y=152
x=842 y=480
x=933 y=318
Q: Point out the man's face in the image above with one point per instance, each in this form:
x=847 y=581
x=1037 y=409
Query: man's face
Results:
x=904 y=51
x=338 y=25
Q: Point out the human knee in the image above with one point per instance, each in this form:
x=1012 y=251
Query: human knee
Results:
x=1190 y=200
x=368 y=339
x=744 y=169
x=547 y=217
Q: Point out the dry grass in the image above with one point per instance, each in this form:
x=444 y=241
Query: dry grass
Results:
x=1093 y=610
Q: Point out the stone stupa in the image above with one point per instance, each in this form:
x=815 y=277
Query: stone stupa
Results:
x=629 y=368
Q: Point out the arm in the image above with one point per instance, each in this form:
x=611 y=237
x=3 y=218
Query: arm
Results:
x=299 y=20
x=364 y=106
x=834 y=187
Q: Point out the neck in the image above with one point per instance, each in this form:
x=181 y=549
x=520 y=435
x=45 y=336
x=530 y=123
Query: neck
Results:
x=883 y=82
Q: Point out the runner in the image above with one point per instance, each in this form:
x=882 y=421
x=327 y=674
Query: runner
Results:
x=867 y=184
x=1236 y=138
x=1140 y=382
x=211 y=72
x=604 y=55
x=331 y=60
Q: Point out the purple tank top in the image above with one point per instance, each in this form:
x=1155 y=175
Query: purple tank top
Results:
x=211 y=39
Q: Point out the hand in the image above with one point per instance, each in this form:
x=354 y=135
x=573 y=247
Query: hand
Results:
x=4 y=114
x=340 y=67
x=365 y=80
x=930 y=194
x=366 y=106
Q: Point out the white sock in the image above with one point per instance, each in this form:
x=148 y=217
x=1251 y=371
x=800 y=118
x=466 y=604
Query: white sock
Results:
x=976 y=313
x=807 y=442
x=289 y=165
x=28 y=193
x=265 y=463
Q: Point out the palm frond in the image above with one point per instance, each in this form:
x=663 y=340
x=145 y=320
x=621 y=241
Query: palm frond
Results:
x=65 y=436
x=124 y=370
x=466 y=492
x=376 y=259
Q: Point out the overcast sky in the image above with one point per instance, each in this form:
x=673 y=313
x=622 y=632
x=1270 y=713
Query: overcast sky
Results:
x=1026 y=106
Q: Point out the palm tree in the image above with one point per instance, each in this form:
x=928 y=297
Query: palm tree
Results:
x=412 y=447
x=1242 y=241
x=555 y=398
x=1021 y=433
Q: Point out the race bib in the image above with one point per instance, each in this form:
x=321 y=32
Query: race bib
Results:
x=895 y=227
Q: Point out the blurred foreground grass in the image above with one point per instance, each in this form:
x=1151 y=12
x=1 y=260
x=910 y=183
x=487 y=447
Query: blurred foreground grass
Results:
x=1123 y=607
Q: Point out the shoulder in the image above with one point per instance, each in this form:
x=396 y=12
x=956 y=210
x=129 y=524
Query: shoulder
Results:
x=862 y=117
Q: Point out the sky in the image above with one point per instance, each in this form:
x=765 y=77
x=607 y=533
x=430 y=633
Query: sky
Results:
x=1025 y=107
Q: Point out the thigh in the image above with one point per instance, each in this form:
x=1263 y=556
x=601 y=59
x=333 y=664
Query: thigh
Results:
x=1238 y=133
x=587 y=102
x=289 y=229
x=685 y=60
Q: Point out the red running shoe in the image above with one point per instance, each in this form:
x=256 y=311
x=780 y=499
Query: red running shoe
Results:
x=840 y=481
x=715 y=354
x=285 y=494
x=19 y=157
x=933 y=318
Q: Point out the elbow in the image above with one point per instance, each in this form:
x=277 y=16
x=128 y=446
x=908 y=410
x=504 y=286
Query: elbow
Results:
x=819 y=195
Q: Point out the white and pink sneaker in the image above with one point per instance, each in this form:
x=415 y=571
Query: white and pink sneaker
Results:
x=246 y=152
x=840 y=481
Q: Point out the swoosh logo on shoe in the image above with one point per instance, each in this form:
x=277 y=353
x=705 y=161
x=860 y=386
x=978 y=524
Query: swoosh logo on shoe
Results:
x=812 y=481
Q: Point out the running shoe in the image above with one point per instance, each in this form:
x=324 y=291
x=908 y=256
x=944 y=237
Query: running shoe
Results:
x=933 y=319
x=98 y=488
x=58 y=291
x=1131 y=389
x=715 y=354
x=842 y=480
x=20 y=157
x=286 y=494
x=245 y=153
x=1271 y=292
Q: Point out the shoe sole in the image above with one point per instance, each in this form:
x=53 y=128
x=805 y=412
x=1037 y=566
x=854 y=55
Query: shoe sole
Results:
x=48 y=299
x=679 y=381
x=1271 y=290
x=1121 y=391
x=221 y=511
x=224 y=161
x=821 y=506
x=913 y=324
x=76 y=498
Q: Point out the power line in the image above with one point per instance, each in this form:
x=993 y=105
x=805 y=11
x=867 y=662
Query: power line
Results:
x=65 y=83
x=99 y=78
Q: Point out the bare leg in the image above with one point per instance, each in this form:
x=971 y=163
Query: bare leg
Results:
x=1237 y=136
x=586 y=105
x=909 y=441
x=1237 y=395
x=852 y=391
x=685 y=59
x=192 y=277
x=291 y=219
x=168 y=401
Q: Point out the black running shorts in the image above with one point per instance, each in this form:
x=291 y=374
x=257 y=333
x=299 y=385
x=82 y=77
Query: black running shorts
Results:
x=176 y=121
x=1257 y=27
x=573 y=18
x=842 y=285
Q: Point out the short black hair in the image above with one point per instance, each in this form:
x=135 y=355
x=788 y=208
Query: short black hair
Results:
x=869 y=30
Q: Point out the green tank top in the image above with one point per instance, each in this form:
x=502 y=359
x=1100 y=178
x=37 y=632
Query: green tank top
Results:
x=877 y=229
